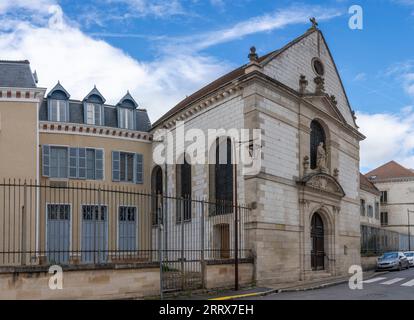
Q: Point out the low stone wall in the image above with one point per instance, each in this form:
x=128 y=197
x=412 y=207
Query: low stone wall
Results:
x=369 y=263
x=106 y=283
x=222 y=275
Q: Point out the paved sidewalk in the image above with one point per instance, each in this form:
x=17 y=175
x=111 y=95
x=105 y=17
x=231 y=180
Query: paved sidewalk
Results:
x=262 y=291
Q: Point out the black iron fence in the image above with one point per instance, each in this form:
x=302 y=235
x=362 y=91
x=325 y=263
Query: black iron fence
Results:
x=66 y=223
x=375 y=241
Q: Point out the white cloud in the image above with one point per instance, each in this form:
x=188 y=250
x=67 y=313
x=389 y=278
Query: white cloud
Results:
x=360 y=77
x=389 y=137
x=276 y=20
x=59 y=51
x=158 y=8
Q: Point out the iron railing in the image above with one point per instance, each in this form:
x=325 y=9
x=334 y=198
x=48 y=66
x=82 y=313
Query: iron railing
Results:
x=69 y=222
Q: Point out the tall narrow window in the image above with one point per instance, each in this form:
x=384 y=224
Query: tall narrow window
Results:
x=223 y=178
x=127 y=228
x=377 y=208
x=183 y=175
x=384 y=218
x=157 y=191
x=362 y=207
x=317 y=136
x=59 y=162
x=384 y=197
x=58 y=110
x=93 y=114
x=126 y=118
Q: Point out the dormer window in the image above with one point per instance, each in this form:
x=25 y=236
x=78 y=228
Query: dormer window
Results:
x=127 y=112
x=58 y=104
x=126 y=118
x=94 y=114
x=93 y=108
x=58 y=110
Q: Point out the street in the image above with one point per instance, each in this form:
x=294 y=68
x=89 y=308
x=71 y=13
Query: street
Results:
x=397 y=285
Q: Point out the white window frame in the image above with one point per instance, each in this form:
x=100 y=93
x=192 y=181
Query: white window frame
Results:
x=136 y=225
x=59 y=116
x=126 y=118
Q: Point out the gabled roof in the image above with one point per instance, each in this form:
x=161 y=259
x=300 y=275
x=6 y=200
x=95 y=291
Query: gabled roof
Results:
x=367 y=185
x=237 y=73
x=124 y=101
x=390 y=170
x=59 y=87
x=16 y=74
x=94 y=92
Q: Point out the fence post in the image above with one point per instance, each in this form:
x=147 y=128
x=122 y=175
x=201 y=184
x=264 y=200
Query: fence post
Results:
x=182 y=242
x=203 y=266
x=159 y=202
x=23 y=236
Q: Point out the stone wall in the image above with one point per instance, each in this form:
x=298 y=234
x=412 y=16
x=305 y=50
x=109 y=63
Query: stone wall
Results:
x=368 y=263
x=106 y=283
x=81 y=284
x=222 y=275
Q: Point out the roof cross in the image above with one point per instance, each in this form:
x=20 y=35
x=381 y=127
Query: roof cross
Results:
x=314 y=22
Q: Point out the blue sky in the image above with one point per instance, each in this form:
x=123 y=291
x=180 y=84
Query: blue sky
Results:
x=164 y=50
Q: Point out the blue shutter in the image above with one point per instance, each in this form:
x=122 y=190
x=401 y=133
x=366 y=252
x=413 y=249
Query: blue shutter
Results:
x=134 y=120
x=102 y=115
x=85 y=114
x=99 y=164
x=49 y=110
x=138 y=168
x=82 y=163
x=67 y=111
x=73 y=163
x=118 y=111
x=46 y=160
x=116 y=164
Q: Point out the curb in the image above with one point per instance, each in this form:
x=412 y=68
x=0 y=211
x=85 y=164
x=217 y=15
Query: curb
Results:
x=276 y=291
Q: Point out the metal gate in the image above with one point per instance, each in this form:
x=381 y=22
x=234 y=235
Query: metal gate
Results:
x=94 y=234
x=189 y=241
x=58 y=233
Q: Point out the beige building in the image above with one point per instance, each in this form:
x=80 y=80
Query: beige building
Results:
x=396 y=184
x=83 y=166
x=369 y=202
x=305 y=197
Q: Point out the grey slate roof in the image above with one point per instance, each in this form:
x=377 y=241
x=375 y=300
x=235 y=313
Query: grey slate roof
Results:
x=16 y=74
x=76 y=115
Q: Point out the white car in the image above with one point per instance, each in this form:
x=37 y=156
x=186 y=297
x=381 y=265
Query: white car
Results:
x=410 y=257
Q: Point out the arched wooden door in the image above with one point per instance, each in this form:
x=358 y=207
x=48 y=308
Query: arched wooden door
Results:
x=317 y=241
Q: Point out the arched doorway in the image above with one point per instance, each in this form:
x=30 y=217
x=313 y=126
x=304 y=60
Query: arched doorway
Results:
x=317 y=242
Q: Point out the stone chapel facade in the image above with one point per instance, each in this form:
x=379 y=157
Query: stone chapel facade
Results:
x=305 y=218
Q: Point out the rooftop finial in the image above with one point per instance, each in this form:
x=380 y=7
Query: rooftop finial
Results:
x=314 y=23
x=253 y=55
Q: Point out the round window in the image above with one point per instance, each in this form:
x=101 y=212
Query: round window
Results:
x=318 y=67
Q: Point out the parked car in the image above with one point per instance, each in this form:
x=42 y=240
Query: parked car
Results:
x=393 y=261
x=410 y=257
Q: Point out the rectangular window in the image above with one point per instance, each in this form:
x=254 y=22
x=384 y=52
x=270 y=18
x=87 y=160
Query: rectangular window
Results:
x=384 y=218
x=75 y=163
x=362 y=207
x=384 y=197
x=58 y=110
x=126 y=118
x=377 y=208
x=58 y=162
x=127 y=167
x=93 y=114
x=127 y=228
x=370 y=211
x=90 y=164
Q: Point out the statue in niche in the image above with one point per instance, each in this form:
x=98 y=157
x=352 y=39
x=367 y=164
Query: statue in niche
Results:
x=321 y=157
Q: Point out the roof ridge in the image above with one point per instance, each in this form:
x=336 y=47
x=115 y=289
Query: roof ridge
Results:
x=15 y=61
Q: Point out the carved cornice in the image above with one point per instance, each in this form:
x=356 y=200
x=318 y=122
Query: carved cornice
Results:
x=322 y=182
x=22 y=94
x=203 y=104
x=89 y=130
